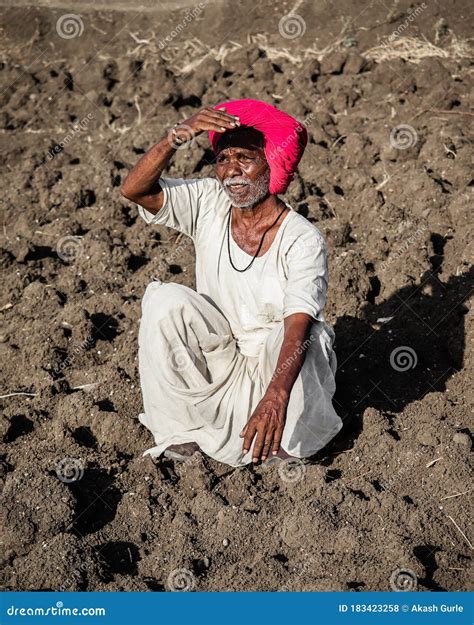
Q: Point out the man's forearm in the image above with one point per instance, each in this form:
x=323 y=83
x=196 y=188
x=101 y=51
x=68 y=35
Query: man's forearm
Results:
x=292 y=354
x=142 y=183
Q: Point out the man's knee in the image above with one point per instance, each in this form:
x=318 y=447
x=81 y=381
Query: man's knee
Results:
x=166 y=296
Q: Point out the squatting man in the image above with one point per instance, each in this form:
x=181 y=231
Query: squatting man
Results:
x=242 y=368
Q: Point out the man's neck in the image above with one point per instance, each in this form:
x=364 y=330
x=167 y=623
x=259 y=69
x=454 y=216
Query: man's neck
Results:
x=263 y=212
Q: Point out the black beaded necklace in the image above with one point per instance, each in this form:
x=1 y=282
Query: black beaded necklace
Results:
x=261 y=242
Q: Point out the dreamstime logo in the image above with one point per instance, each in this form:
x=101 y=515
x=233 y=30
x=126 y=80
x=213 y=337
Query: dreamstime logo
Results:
x=291 y=470
x=179 y=358
x=403 y=137
x=69 y=26
x=69 y=248
x=57 y=610
x=292 y=26
x=181 y=580
x=403 y=580
x=181 y=136
x=403 y=358
x=69 y=470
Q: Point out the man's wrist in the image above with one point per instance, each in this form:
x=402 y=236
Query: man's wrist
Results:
x=278 y=391
x=175 y=138
x=180 y=134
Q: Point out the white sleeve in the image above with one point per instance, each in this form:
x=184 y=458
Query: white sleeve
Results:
x=307 y=268
x=184 y=203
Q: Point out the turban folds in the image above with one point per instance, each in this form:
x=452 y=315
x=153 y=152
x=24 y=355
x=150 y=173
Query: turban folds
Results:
x=284 y=138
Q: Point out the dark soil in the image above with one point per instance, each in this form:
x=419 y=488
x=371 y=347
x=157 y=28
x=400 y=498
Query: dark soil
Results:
x=391 y=492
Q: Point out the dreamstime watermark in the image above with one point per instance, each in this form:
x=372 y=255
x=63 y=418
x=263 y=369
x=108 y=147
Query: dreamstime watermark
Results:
x=403 y=580
x=281 y=147
x=398 y=475
x=403 y=358
x=181 y=580
x=298 y=571
x=187 y=19
x=75 y=129
x=70 y=26
x=175 y=254
x=292 y=26
x=73 y=353
x=56 y=610
x=403 y=248
x=83 y=567
x=291 y=359
x=413 y=14
x=69 y=248
x=302 y=247
x=291 y=470
x=69 y=470
x=180 y=357
x=403 y=137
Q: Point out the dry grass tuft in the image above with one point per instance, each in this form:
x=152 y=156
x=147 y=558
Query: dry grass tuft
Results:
x=184 y=57
x=413 y=50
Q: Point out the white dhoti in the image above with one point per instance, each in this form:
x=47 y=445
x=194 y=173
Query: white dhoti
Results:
x=199 y=387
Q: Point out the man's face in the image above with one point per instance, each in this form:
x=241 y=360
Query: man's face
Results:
x=241 y=167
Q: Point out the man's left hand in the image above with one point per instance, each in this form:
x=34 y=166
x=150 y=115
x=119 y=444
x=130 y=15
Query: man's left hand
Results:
x=267 y=423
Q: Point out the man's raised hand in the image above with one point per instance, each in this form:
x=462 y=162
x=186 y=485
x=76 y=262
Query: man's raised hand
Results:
x=204 y=120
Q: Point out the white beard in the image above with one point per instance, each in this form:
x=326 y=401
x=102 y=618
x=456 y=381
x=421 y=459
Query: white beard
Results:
x=256 y=190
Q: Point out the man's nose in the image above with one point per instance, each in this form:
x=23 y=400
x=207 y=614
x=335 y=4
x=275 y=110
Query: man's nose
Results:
x=233 y=169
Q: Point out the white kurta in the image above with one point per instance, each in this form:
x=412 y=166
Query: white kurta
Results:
x=206 y=357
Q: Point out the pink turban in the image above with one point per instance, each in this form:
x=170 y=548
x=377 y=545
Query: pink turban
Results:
x=284 y=138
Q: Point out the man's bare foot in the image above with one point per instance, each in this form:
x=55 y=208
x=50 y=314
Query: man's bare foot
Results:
x=182 y=452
